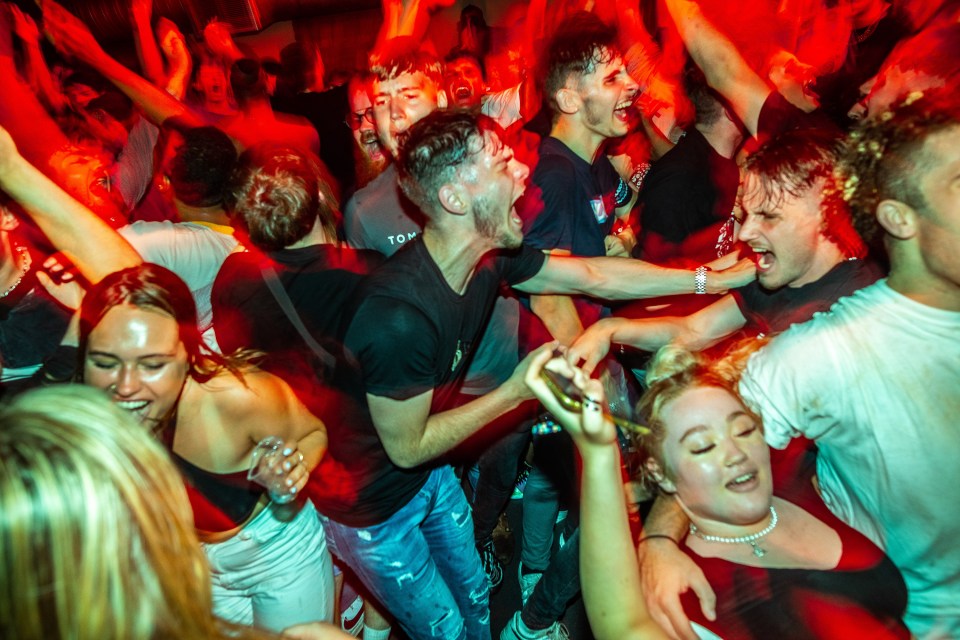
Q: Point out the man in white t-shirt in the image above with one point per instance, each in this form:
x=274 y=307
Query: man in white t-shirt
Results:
x=875 y=382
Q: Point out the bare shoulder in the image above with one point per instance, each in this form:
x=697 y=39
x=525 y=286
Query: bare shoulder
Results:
x=250 y=394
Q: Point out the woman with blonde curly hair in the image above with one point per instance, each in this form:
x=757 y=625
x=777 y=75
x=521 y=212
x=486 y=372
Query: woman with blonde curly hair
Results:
x=781 y=565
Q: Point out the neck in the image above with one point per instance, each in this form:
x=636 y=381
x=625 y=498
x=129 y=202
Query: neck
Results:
x=828 y=256
x=911 y=277
x=580 y=140
x=317 y=235
x=710 y=527
x=455 y=253
x=190 y=213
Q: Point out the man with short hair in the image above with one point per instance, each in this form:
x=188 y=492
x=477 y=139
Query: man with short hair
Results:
x=874 y=382
x=407 y=86
x=411 y=330
x=807 y=253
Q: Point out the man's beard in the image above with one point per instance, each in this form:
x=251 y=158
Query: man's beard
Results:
x=366 y=168
x=489 y=226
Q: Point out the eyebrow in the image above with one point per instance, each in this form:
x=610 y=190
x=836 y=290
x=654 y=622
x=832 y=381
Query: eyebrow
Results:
x=699 y=428
x=613 y=74
x=107 y=354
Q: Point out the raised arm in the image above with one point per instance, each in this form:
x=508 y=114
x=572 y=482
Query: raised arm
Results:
x=81 y=235
x=72 y=37
x=35 y=65
x=694 y=332
x=141 y=14
x=724 y=67
x=628 y=279
x=608 y=571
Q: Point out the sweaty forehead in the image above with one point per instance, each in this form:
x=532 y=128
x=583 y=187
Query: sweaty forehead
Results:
x=404 y=82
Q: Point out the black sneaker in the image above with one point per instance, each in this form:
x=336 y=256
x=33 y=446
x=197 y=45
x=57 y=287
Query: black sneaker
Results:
x=491 y=565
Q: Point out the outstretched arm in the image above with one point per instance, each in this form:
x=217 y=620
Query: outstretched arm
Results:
x=608 y=574
x=35 y=66
x=725 y=69
x=627 y=279
x=694 y=332
x=141 y=13
x=81 y=235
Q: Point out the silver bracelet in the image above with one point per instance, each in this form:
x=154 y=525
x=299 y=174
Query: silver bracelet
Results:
x=700 y=280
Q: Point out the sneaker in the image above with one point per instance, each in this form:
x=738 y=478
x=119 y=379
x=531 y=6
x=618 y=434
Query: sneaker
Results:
x=528 y=582
x=513 y=631
x=351 y=618
x=491 y=565
x=521 y=483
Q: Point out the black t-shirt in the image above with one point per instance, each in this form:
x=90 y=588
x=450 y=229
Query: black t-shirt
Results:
x=570 y=202
x=569 y=205
x=411 y=332
x=319 y=279
x=406 y=332
x=772 y=312
x=687 y=197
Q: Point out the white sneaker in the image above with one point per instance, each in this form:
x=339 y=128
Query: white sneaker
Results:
x=513 y=631
x=528 y=582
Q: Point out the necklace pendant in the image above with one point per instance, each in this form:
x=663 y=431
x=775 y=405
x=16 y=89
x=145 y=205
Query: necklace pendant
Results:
x=758 y=550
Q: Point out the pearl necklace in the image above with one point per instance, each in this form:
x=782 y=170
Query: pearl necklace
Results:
x=24 y=259
x=750 y=539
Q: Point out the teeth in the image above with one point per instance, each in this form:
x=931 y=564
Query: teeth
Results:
x=132 y=405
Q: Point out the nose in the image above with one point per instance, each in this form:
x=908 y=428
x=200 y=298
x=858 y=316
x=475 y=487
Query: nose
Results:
x=520 y=171
x=630 y=84
x=396 y=109
x=748 y=228
x=127 y=382
x=733 y=454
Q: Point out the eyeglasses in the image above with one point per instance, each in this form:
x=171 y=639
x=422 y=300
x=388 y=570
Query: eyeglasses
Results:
x=355 y=120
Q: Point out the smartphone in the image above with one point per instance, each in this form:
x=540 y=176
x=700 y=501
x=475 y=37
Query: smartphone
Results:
x=571 y=399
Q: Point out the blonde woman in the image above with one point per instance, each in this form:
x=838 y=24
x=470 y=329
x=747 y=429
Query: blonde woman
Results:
x=781 y=564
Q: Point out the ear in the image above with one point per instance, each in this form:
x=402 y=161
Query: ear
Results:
x=662 y=481
x=8 y=221
x=568 y=100
x=452 y=200
x=897 y=218
x=442 y=99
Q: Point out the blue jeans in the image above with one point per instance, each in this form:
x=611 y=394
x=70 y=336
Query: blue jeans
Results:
x=421 y=563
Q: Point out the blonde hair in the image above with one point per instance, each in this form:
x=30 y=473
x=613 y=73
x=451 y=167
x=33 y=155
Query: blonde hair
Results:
x=673 y=371
x=96 y=533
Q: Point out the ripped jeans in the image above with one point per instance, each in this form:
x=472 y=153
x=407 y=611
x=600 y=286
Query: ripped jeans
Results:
x=421 y=563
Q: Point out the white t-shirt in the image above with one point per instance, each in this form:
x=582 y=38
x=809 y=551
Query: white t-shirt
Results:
x=192 y=251
x=876 y=383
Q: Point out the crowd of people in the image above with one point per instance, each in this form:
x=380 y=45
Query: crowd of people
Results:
x=693 y=292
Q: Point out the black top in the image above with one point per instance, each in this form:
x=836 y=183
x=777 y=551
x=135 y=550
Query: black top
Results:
x=772 y=312
x=687 y=196
x=319 y=280
x=409 y=333
x=864 y=596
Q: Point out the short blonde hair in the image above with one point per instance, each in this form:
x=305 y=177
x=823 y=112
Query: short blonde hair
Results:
x=96 y=533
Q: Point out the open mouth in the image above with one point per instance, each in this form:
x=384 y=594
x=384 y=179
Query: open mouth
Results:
x=764 y=259
x=623 y=111
x=462 y=93
x=136 y=407
x=745 y=482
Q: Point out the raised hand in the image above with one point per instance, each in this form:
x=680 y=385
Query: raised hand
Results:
x=23 y=25
x=67 y=32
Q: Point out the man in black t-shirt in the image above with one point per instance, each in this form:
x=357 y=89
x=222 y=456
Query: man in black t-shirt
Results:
x=411 y=331
x=806 y=250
